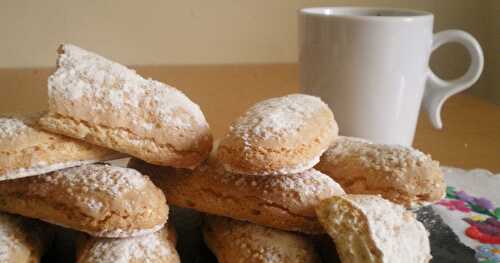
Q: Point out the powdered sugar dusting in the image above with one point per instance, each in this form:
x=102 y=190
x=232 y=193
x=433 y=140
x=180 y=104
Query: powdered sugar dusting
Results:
x=123 y=233
x=396 y=232
x=147 y=248
x=286 y=170
x=276 y=117
x=246 y=239
x=84 y=75
x=107 y=179
x=255 y=243
x=95 y=205
x=344 y=147
x=376 y=156
x=308 y=184
x=11 y=126
x=42 y=168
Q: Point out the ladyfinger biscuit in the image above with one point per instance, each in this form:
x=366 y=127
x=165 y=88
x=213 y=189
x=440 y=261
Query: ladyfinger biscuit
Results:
x=101 y=200
x=102 y=102
x=26 y=150
x=283 y=201
x=403 y=175
x=22 y=240
x=157 y=247
x=236 y=241
x=368 y=228
x=281 y=135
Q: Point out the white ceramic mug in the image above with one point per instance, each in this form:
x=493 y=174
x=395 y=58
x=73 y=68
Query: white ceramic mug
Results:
x=371 y=65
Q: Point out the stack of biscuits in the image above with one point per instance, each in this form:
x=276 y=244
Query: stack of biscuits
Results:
x=52 y=170
x=279 y=178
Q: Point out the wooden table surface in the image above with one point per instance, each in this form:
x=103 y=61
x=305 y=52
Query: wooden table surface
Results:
x=470 y=138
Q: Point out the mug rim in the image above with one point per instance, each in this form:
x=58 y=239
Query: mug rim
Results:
x=350 y=12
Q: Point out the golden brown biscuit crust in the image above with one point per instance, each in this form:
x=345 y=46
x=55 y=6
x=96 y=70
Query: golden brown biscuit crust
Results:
x=283 y=201
x=100 y=200
x=403 y=175
x=236 y=241
x=157 y=247
x=102 y=102
x=281 y=135
x=27 y=150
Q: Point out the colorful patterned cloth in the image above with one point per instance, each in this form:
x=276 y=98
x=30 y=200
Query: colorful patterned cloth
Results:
x=471 y=209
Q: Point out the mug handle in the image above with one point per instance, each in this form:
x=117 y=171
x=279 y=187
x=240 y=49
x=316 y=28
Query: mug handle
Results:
x=438 y=90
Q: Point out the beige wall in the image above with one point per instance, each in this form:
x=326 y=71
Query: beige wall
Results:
x=489 y=87
x=213 y=32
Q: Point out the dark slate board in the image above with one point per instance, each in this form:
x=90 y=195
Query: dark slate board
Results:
x=445 y=245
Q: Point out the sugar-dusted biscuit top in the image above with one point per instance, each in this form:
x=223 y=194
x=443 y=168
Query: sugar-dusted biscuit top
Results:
x=100 y=200
x=237 y=241
x=368 y=228
x=401 y=174
x=27 y=150
x=281 y=135
x=95 y=99
x=158 y=247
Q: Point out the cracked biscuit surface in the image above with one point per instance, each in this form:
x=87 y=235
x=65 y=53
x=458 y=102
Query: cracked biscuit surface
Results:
x=27 y=150
x=101 y=200
x=102 y=102
x=237 y=241
x=282 y=201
